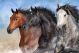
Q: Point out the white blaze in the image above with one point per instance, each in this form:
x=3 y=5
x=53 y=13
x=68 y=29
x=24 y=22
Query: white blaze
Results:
x=61 y=18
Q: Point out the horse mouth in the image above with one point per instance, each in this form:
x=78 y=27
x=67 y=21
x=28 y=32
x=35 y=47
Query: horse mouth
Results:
x=9 y=31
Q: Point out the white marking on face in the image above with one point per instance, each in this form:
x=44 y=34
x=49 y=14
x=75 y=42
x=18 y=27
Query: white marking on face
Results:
x=61 y=17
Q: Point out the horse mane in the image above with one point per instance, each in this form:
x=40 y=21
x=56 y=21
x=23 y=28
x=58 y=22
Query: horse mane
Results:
x=73 y=10
x=23 y=11
x=46 y=22
x=44 y=11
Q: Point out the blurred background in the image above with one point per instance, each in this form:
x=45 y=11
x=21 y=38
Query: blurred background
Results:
x=10 y=41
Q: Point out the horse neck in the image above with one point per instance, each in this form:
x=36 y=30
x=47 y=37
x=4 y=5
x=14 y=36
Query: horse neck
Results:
x=28 y=34
x=71 y=27
x=71 y=31
x=71 y=23
x=21 y=30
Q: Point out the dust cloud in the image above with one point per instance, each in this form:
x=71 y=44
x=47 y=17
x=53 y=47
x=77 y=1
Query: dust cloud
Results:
x=9 y=43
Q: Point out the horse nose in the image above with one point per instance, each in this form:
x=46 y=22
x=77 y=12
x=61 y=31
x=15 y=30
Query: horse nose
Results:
x=58 y=28
x=8 y=30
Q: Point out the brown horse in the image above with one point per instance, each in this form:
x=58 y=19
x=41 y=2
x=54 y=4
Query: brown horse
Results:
x=29 y=34
x=37 y=27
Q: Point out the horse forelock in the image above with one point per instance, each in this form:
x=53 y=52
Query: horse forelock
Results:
x=23 y=11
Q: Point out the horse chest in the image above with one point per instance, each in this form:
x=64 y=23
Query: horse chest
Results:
x=30 y=37
x=70 y=37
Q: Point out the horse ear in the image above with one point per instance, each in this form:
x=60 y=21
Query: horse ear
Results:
x=35 y=7
x=32 y=8
x=12 y=10
x=17 y=10
x=66 y=6
x=58 y=6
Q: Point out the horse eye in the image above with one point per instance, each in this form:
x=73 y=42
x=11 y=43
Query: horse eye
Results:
x=15 y=19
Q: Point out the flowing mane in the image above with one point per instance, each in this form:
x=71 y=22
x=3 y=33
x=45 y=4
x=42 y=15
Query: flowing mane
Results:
x=45 y=11
x=23 y=11
x=40 y=10
x=26 y=13
x=73 y=10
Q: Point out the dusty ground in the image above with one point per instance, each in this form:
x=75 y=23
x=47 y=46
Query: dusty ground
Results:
x=9 y=42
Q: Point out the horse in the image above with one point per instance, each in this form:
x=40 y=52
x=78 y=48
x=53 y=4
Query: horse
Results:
x=48 y=20
x=67 y=21
x=29 y=34
x=36 y=27
x=48 y=26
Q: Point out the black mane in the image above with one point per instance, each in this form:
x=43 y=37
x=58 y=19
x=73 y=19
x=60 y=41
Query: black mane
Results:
x=24 y=11
x=73 y=10
x=41 y=10
x=44 y=11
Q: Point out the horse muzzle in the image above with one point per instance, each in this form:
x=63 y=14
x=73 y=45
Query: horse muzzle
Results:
x=9 y=30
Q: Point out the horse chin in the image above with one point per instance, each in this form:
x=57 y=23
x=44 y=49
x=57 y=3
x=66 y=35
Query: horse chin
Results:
x=61 y=26
x=10 y=31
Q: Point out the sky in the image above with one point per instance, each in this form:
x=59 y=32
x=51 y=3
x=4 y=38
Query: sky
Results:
x=6 y=5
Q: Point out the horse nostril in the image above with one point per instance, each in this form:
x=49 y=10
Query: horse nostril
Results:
x=8 y=30
x=58 y=29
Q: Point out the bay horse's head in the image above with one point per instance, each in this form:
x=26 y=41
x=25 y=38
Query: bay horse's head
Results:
x=16 y=20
